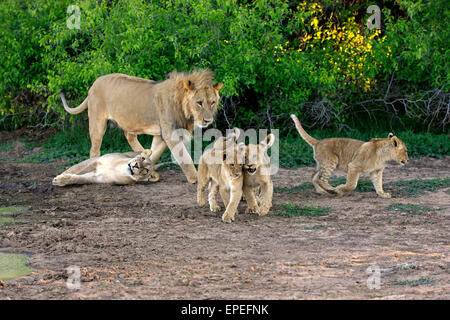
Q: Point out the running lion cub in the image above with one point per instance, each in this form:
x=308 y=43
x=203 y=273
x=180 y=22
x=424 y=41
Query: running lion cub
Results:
x=222 y=165
x=354 y=157
x=257 y=175
x=115 y=168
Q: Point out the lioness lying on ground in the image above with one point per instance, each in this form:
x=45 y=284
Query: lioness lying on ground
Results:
x=222 y=166
x=354 y=157
x=257 y=175
x=115 y=168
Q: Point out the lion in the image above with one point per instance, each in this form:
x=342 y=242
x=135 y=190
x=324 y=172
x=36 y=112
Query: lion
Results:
x=142 y=106
x=257 y=176
x=221 y=166
x=113 y=168
x=354 y=157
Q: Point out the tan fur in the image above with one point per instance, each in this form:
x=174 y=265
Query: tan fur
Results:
x=114 y=168
x=141 y=106
x=257 y=176
x=354 y=157
x=222 y=168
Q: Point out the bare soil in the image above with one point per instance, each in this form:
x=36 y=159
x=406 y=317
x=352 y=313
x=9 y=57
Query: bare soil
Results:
x=152 y=241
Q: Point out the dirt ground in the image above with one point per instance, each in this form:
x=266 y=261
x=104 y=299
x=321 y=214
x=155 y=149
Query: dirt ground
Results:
x=152 y=241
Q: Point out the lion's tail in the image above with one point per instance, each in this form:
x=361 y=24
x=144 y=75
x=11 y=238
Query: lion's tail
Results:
x=310 y=140
x=83 y=106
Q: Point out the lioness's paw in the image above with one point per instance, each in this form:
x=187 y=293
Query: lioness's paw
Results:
x=60 y=181
x=201 y=201
x=227 y=217
x=385 y=195
x=215 y=207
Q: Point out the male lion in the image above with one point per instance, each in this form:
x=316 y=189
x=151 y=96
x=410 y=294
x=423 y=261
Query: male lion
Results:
x=114 y=168
x=141 y=106
x=354 y=157
x=221 y=166
x=257 y=175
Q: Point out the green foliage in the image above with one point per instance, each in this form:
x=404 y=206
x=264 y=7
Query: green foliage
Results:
x=294 y=210
x=316 y=59
x=413 y=209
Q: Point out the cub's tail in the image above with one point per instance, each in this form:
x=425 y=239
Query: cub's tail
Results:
x=310 y=140
x=83 y=106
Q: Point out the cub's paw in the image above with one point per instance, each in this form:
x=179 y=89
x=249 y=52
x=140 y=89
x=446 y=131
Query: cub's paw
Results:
x=254 y=209
x=385 y=195
x=264 y=211
x=227 y=217
x=215 y=207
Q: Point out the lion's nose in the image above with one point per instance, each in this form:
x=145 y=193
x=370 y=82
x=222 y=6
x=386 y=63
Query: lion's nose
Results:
x=208 y=121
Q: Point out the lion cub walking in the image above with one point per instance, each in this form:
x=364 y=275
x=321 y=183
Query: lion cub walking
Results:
x=354 y=157
x=116 y=168
x=222 y=167
x=257 y=175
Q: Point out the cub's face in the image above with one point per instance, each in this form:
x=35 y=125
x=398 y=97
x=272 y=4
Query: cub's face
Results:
x=256 y=155
x=233 y=161
x=202 y=103
x=399 y=152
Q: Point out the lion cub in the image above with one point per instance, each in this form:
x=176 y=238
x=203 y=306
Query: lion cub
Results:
x=222 y=167
x=257 y=175
x=115 y=168
x=354 y=157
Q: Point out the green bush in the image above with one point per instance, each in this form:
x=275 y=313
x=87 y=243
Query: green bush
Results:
x=275 y=57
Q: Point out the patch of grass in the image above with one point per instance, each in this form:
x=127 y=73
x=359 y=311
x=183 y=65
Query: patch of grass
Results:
x=413 y=209
x=414 y=283
x=6 y=220
x=293 y=210
x=12 y=210
x=364 y=185
x=74 y=143
x=414 y=187
x=319 y=226
x=13 y=266
x=6 y=146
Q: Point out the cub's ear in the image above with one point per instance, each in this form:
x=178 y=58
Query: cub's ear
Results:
x=390 y=135
x=224 y=156
x=188 y=85
x=218 y=86
x=268 y=141
x=395 y=142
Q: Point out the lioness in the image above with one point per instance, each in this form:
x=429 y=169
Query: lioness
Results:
x=115 y=168
x=257 y=175
x=354 y=157
x=141 y=106
x=222 y=167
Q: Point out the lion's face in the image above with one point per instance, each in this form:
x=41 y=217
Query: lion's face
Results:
x=141 y=167
x=256 y=155
x=399 y=152
x=201 y=103
x=233 y=160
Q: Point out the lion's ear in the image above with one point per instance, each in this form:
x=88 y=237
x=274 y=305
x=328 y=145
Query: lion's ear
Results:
x=395 y=142
x=390 y=135
x=218 y=86
x=188 y=85
x=146 y=153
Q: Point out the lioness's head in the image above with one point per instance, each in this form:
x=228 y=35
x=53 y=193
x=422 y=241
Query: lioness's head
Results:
x=233 y=160
x=141 y=167
x=397 y=149
x=200 y=101
x=256 y=155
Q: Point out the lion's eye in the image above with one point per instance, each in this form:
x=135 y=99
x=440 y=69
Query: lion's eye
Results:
x=213 y=103
x=231 y=165
x=200 y=104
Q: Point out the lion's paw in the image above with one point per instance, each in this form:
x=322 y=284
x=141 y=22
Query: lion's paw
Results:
x=252 y=210
x=385 y=195
x=215 y=207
